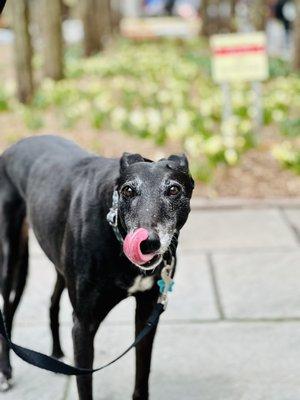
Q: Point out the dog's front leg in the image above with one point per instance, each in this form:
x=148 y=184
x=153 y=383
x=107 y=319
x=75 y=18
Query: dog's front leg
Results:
x=83 y=341
x=144 y=306
x=87 y=319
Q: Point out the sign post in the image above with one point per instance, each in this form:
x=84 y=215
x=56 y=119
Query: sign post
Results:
x=258 y=108
x=240 y=57
x=227 y=107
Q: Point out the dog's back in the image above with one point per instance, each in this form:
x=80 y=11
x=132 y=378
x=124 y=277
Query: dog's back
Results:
x=36 y=153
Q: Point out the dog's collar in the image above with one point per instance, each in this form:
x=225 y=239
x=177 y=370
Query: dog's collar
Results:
x=112 y=216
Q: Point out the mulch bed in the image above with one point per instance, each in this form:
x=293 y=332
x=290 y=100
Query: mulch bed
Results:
x=258 y=175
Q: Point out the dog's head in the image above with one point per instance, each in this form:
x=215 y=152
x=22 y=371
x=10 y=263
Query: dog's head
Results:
x=154 y=203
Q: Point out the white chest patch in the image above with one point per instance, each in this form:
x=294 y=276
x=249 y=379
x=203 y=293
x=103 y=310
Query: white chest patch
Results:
x=141 y=284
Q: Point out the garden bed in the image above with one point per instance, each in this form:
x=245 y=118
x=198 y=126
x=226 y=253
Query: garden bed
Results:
x=132 y=99
x=258 y=175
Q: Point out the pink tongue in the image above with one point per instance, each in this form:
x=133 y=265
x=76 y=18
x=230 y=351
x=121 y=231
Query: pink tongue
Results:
x=132 y=246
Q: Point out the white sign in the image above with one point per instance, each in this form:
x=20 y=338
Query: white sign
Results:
x=239 y=57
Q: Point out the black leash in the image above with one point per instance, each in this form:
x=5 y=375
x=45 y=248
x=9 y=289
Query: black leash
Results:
x=52 y=364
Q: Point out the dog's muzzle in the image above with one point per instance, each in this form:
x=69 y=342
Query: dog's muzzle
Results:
x=140 y=247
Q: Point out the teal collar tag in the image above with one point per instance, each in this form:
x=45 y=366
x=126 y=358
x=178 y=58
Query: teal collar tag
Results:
x=165 y=287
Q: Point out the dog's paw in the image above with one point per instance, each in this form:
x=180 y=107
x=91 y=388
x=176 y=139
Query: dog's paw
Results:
x=5 y=383
x=140 y=396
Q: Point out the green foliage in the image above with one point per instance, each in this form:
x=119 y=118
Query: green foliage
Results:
x=281 y=98
x=32 y=118
x=279 y=67
x=160 y=91
x=4 y=99
x=291 y=127
x=201 y=171
x=288 y=155
x=163 y=91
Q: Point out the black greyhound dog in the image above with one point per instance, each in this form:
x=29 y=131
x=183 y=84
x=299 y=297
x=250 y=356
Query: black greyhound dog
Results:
x=65 y=193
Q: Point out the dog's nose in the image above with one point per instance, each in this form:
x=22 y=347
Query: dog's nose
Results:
x=151 y=244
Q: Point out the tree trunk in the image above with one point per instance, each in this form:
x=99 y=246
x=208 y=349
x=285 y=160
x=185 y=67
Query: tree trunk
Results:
x=205 y=17
x=115 y=11
x=232 y=22
x=258 y=14
x=97 y=24
x=297 y=37
x=105 y=13
x=51 y=24
x=23 y=50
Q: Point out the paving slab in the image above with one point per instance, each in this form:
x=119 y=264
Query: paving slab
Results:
x=192 y=298
x=216 y=361
x=193 y=295
x=259 y=285
x=294 y=218
x=234 y=229
x=208 y=360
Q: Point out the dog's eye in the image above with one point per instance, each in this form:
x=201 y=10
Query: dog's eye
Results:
x=128 y=191
x=174 y=190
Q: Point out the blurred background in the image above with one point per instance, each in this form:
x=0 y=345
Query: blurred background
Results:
x=136 y=75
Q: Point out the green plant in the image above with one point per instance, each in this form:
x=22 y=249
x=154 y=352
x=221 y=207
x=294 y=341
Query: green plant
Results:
x=279 y=67
x=163 y=91
x=4 y=100
x=288 y=155
x=290 y=127
x=32 y=119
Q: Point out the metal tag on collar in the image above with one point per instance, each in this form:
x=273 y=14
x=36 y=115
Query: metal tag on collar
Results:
x=112 y=216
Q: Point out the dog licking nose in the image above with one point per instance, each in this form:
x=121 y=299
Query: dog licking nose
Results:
x=151 y=244
x=140 y=246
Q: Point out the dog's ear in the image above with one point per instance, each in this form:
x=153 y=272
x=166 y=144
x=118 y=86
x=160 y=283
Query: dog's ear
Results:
x=181 y=162
x=128 y=159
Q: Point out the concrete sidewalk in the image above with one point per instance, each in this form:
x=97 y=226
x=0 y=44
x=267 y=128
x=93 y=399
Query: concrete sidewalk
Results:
x=231 y=331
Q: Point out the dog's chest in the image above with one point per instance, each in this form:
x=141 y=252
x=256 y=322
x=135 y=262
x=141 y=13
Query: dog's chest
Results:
x=141 y=284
